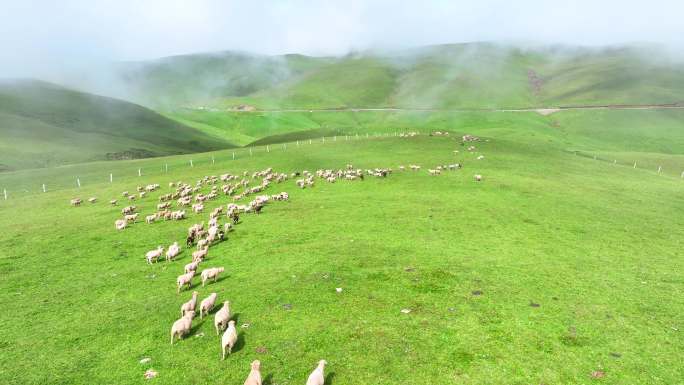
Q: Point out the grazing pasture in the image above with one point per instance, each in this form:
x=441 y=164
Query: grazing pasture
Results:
x=555 y=268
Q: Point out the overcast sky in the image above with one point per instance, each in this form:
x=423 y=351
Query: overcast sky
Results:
x=42 y=35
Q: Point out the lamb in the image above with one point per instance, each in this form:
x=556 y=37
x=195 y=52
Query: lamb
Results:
x=227 y=227
x=76 y=202
x=92 y=199
x=120 y=224
x=207 y=304
x=128 y=210
x=210 y=273
x=229 y=339
x=190 y=305
x=172 y=251
x=191 y=267
x=151 y=218
x=182 y=326
x=222 y=317
x=317 y=377
x=254 y=377
x=112 y=202
x=478 y=178
x=185 y=279
x=153 y=255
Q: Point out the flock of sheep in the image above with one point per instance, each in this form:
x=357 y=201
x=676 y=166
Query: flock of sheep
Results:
x=236 y=187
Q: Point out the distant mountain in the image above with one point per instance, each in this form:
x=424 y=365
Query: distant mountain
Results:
x=42 y=124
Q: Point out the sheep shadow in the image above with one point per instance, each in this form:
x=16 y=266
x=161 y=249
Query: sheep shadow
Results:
x=268 y=380
x=240 y=343
x=235 y=317
x=329 y=378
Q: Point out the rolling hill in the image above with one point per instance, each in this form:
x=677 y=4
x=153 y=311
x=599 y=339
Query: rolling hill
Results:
x=42 y=124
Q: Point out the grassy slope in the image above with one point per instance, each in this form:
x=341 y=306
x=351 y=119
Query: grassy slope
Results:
x=601 y=258
x=46 y=125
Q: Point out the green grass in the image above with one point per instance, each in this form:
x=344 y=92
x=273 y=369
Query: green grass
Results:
x=584 y=239
x=43 y=125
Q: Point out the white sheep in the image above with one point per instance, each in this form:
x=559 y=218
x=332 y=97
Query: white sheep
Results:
x=120 y=224
x=112 y=202
x=131 y=217
x=229 y=339
x=76 y=202
x=199 y=254
x=317 y=377
x=153 y=255
x=207 y=304
x=150 y=218
x=185 y=279
x=92 y=199
x=172 y=251
x=190 y=305
x=478 y=177
x=191 y=267
x=222 y=317
x=212 y=272
x=254 y=377
x=182 y=326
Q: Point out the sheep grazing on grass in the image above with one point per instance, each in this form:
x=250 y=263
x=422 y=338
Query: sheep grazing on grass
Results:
x=190 y=305
x=229 y=339
x=76 y=202
x=434 y=172
x=317 y=377
x=128 y=210
x=182 y=326
x=131 y=217
x=227 y=227
x=480 y=157
x=92 y=200
x=478 y=178
x=254 y=377
x=198 y=256
x=207 y=304
x=172 y=251
x=112 y=202
x=150 y=218
x=202 y=243
x=124 y=194
x=178 y=215
x=153 y=255
x=185 y=280
x=211 y=273
x=222 y=317
x=191 y=267
x=120 y=224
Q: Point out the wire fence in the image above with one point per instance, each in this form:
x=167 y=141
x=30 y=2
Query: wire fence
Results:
x=79 y=176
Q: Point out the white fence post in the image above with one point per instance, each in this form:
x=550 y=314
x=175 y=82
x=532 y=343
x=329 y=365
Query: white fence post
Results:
x=250 y=151
x=335 y=138
x=212 y=160
x=659 y=168
x=324 y=139
x=309 y=141
x=297 y=143
x=634 y=164
x=682 y=174
x=139 y=172
x=233 y=155
x=5 y=191
x=111 y=177
x=44 y=187
x=284 y=146
x=78 y=182
x=166 y=166
x=267 y=149
x=191 y=165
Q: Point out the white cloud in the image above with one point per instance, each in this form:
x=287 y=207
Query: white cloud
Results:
x=40 y=36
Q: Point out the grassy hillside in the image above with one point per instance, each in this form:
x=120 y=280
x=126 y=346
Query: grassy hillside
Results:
x=487 y=76
x=554 y=268
x=197 y=79
x=46 y=125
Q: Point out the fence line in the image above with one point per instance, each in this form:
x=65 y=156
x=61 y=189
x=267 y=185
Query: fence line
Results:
x=234 y=156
